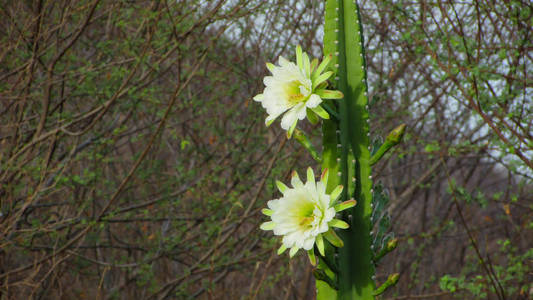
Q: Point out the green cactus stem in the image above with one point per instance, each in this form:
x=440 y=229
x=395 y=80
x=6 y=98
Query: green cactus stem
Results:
x=346 y=153
x=393 y=139
x=306 y=143
x=391 y=281
x=391 y=245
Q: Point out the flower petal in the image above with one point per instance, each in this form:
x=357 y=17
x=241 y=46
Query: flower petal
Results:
x=314 y=101
x=320 y=245
x=314 y=64
x=282 y=61
x=300 y=111
x=269 y=120
x=271 y=67
x=268 y=80
x=323 y=65
x=320 y=112
x=325 y=175
x=299 y=62
x=295 y=180
x=339 y=224
x=306 y=65
x=291 y=130
x=335 y=193
x=345 y=205
x=321 y=78
x=289 y=118
x=308 y=243
x=327 y=94
x=267 y=212
x=312 y=257
x=281 y=186
x=310 y=176
x=259 y=97
x=312 y=117
x=268 y=225
x=293 y=251
x=333 y=238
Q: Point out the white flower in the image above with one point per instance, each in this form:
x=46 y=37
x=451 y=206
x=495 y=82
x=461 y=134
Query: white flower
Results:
x=305 y=214
x=297 y=89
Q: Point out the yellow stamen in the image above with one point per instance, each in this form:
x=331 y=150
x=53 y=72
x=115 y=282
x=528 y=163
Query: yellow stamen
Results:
x=306 y=220
x=293 y=91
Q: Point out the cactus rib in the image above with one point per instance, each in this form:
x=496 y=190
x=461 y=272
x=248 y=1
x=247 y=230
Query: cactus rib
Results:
x=346 y=143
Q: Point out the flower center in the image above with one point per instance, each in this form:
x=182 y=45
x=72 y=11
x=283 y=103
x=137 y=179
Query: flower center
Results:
x=294 y=92
x=306 y=221
x=306 y=215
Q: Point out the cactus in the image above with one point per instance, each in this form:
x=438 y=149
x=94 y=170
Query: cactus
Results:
x=345 y=267
x=346 y=153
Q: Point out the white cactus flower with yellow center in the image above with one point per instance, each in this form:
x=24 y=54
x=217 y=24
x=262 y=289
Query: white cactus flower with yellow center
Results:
x=296 y=90
x=304 y=215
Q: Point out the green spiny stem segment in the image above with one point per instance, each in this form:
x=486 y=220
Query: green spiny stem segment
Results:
x=391 y=245
x=346 y=153
x=393 y=139
x=391 y=281
x=321 y=275
x=306 y=143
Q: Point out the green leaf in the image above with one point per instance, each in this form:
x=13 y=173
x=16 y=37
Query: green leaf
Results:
x=433 y=147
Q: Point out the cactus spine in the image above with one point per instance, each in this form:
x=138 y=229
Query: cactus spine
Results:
x=348 y=270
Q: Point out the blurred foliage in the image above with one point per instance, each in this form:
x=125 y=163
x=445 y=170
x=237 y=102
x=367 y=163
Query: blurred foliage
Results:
x=512 y=276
